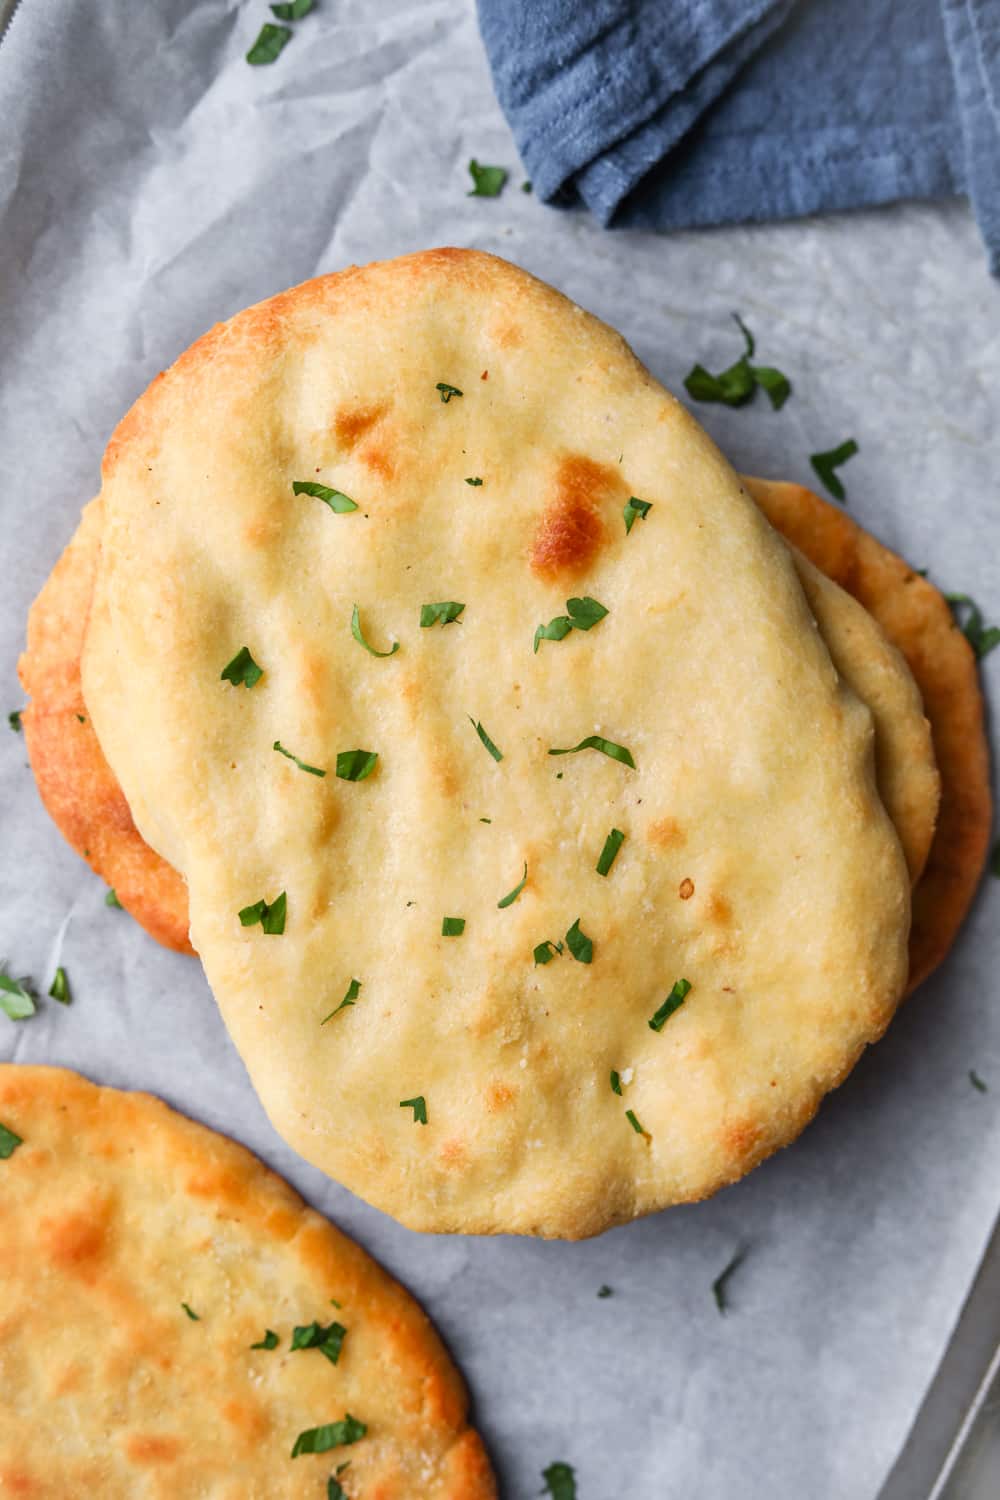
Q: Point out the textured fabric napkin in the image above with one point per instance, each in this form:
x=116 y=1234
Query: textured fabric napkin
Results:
x=673 y=113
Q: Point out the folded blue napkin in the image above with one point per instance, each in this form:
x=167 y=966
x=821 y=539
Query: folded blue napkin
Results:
x=673 y=113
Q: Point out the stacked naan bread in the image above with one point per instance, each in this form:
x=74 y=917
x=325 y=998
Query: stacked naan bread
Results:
x=516 y=929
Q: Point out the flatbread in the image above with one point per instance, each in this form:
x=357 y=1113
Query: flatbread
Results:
x=116 y=1212
x=916 y=618
x=759 y=862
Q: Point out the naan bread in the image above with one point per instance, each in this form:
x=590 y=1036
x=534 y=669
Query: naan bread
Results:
x=759 y=863
x=116 y=1213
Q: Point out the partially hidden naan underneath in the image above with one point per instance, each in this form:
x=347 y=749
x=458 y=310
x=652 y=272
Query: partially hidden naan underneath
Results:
x=177 y=1324
x=537 y=1037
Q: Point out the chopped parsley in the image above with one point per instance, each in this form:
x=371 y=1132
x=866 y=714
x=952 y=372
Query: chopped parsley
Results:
x=486 y=820
x=977 y=1082
x=616 y=1081
x=583 y=615
x=335 y=499
x=633 y=1120
x=271 y=916
x=302 y=765
x=242 y=671
x=560 y=1481
x=292 y=10
x=475 y=481
x=330 y=1435
x=329 y=1340
x=605 y=1291
x=609 y=853
x=334 y=1489
x=111 y=898
x=673 y=1002
x=419 y=1107
x=444 y=613
x=606 y=747
x=633 y=508
x=191 y=1313
x=738 y=384
x=9 y=1142
x=353 y=990
x=452 y=926
x=358 y=635
x=545 y=952
x=271 y=42
x=487 y=182
x=269 y=1341
x=494 y=750
x=447 y=391
x=356 y=765
x=59 y=988
x=512 y=896
x=14 y=719
x=721 y=1281
x=579 y=944
x=825 y=464
x=526 y=186
x=16 y=1000
x=982 y=638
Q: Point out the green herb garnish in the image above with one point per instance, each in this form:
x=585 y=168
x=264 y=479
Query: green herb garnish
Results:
x=526 y=186
x=635 y=508
x=356 y=765
x=444 y=613
x=334 y=1489
x=358 y=635
x=191 y=1313
x=14 y=720
x=335 y=499
x=609 y=853
x=475 y=481
x=271 y=916
x=583 y=615
x=606 y=747
x=512 y=896
x=329 y=1340
x=16 y=1000
x=330 y=1435
x=616 y=1081
x=447 y=391
x=9 y=1142
x=977 y=1082
x=736 y=386
x=59 y=988
x=496 y=753
x=269 y=1341
x=302 y=765
x=633 y=1120
x=292 y=10
x=271 y=42
x=560 y=1481
x=547 y=951
x=242 y=671
x=605 y=1291
x=487 y=182
x=721 y=1281
x=673 y=1002
x=825 y=464
x=452 y=926
x=111 y=898
x=579 y=944
x=982 y=638
x=353 y=990
x=419 y=1107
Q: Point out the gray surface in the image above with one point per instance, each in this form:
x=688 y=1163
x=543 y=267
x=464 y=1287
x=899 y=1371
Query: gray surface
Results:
x=151 y=183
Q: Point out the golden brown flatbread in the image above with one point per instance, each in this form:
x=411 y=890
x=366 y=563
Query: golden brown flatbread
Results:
x=143 y=1258
x=916 y=618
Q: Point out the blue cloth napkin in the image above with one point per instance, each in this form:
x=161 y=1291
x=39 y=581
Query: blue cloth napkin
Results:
x=672 y=113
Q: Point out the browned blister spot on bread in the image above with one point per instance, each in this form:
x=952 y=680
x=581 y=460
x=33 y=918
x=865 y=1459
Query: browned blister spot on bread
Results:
x=666 y=833
x=351 y=423
x=570 y=531
x=76 y=1241
x=152 y=1447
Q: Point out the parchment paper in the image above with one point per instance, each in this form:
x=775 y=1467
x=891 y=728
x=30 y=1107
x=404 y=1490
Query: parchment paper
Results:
x=152 y=183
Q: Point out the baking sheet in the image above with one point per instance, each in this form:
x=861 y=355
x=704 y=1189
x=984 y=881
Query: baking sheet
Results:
x=151 y=183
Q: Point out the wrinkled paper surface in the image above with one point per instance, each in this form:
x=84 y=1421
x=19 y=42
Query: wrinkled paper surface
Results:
x=151 y=183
